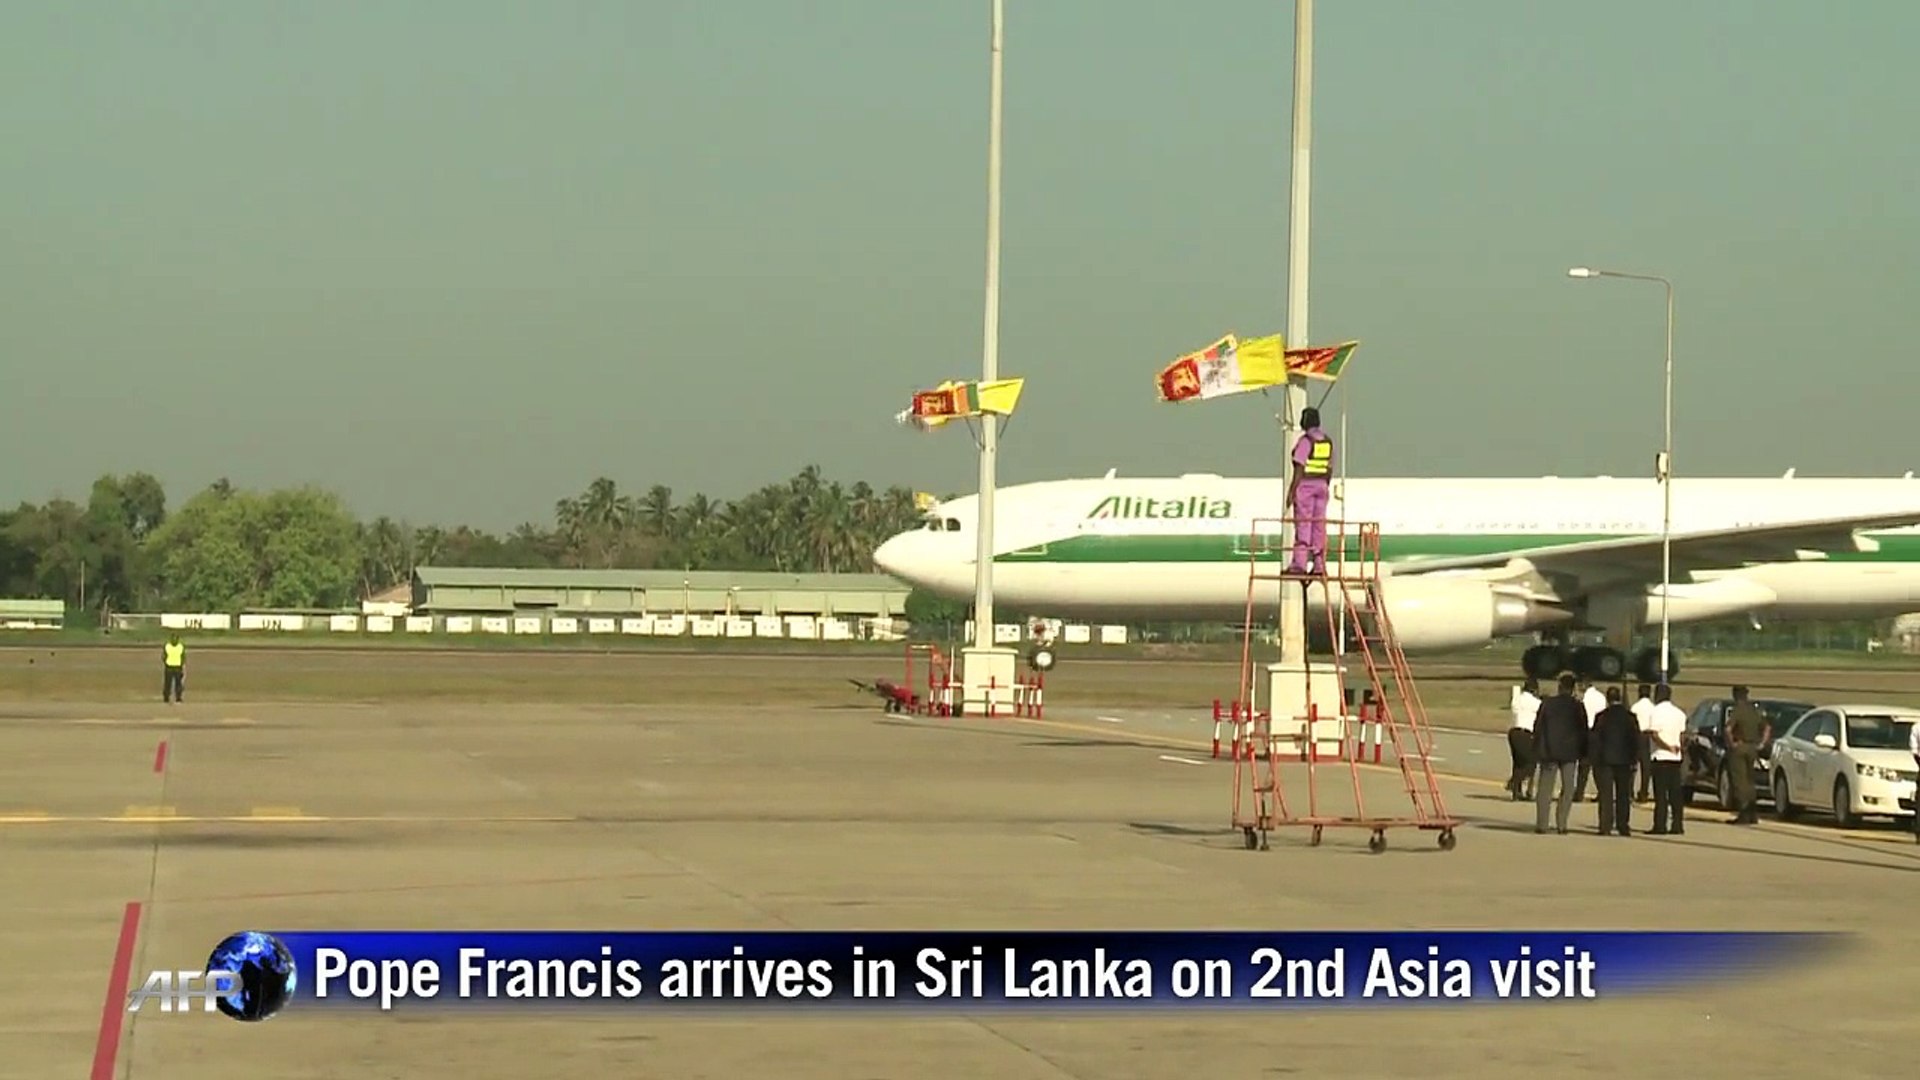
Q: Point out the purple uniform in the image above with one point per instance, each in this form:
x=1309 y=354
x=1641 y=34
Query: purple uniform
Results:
x=1313 y=464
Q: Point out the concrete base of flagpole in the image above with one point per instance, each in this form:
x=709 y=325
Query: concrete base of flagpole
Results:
x=987 y=680
x=1292 y=696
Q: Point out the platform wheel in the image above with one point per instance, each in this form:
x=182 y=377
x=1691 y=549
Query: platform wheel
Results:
x=1378 y=842
x=1253 y=841
x=1316 y=836
x=1447 y=840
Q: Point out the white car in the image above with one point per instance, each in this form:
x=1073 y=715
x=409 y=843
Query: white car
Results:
x=1850 y=760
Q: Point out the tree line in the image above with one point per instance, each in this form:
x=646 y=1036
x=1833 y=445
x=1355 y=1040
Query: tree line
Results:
x=230 y=549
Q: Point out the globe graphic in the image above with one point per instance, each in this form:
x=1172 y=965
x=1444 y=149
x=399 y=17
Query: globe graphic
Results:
x=267 y=975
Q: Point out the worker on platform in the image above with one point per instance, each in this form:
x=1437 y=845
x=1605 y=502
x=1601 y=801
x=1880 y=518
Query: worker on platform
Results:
x=1747 y=732
x=173 y=686
x=1643 y=713
x=1616 y=749
x=1560 y=738
x=1526 y=705
x=1307 y=494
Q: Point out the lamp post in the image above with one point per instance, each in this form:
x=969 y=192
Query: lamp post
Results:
x=1291 y=620
x=1288 y=682
x=983 y=639
x=987 y=669
x=1663 y=469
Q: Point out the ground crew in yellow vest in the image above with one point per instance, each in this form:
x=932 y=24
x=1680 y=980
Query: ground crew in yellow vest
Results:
x=1747 y=732
x=175 y=653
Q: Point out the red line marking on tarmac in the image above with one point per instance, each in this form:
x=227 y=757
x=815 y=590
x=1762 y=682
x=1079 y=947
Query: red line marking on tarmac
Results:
x=160 y=757
x=107 y=1047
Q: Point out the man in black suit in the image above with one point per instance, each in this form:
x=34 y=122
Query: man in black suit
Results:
x=1559 y=746
x=1616 y=750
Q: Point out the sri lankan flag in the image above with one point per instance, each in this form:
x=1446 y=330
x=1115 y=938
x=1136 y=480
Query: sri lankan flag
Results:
x=956 y=400
x=1228 y=366
x=1323 y=362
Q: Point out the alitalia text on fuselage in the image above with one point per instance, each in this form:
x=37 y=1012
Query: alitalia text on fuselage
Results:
x=1140 y=507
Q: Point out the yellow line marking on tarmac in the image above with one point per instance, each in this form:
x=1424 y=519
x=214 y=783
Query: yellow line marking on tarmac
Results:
x=1719 y=816
x=23 y=817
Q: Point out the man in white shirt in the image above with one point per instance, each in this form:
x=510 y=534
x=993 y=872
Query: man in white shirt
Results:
x=1525 y=705
x=1643 y=714
x=1593 y=700
x=1667 y=727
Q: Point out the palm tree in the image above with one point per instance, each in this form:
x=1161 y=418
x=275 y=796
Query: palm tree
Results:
x=805 y=523
x=655 y=513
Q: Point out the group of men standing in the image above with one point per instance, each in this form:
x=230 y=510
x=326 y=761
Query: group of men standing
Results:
x=1562 y=741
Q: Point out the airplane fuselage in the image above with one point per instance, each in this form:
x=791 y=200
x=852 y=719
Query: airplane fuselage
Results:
x=1183 y=549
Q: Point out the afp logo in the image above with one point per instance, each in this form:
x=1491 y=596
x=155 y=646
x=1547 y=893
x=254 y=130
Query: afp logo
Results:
x=175 y=991
x=249 y=976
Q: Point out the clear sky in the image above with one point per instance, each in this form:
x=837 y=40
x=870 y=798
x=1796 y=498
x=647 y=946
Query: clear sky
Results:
x=455 y=259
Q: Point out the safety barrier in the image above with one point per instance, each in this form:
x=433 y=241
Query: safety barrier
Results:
x=938 y=700
x=1361 y=733
x=1029 y=695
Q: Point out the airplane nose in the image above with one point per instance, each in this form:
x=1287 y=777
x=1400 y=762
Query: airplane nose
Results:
x=889 y=557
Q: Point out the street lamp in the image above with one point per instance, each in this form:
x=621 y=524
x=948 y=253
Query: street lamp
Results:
x=985 y=665
x=1663 y=468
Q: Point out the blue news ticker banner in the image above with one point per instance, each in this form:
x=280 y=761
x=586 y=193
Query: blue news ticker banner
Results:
x=391 y=970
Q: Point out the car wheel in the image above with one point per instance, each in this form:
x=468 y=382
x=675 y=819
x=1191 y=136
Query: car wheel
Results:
x=1782 y=804
x=1723 y=789
x=1843 y=805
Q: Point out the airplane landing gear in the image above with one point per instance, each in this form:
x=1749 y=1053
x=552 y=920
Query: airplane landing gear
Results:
x=1543 y=662
x=1600 y=664
x=1646 y=665
x=1596 y=662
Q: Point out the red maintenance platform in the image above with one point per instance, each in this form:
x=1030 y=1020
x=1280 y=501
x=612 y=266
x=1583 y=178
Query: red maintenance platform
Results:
x=1329 y=728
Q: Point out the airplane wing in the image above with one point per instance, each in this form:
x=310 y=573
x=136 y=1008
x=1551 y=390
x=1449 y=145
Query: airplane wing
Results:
x=1633 y=557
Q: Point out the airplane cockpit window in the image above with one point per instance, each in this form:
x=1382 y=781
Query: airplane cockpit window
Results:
x=953 y=524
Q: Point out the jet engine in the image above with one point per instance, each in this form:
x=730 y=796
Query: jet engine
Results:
x=1437 y=613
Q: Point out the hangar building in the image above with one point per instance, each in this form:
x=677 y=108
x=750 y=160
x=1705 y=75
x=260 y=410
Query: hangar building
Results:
x=471 y=591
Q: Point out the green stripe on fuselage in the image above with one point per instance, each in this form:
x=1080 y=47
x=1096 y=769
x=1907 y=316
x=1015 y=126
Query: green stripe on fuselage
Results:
x=1217 y=547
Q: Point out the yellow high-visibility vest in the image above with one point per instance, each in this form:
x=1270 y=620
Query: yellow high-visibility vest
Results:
x=1319 y=458
x=176 y=654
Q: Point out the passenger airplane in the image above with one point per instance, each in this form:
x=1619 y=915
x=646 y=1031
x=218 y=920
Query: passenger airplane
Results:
x=1467 y=561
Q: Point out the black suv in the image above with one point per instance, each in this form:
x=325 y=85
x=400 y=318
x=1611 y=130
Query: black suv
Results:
x=1706 y=744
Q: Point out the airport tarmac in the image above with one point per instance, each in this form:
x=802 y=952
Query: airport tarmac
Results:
x=220 y=816
x=1477 y=761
